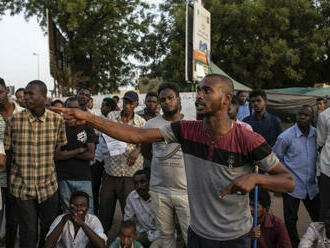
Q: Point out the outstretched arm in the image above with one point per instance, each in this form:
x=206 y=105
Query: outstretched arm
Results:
x=52 y=238
x=117 y=131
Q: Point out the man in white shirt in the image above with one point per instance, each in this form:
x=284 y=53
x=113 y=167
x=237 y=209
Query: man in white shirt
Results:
x=138 y=207
x=76 y=228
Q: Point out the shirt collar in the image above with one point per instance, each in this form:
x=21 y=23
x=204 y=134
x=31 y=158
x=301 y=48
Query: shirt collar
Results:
x=137 y=196
x=299 y=133
x=33 y=118
x=134 y=120
x=263 y=117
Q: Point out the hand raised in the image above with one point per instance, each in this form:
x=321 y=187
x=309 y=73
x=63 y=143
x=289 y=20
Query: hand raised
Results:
x=240 y=185
x=73 y=116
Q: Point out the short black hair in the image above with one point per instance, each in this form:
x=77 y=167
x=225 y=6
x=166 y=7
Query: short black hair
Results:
x=128 y=224
x=116 y=97
x=56 y=101
x=143 y=172
x=109 y=102
x=152 y=94
x=322 y=99
x=2 y=82
x=84 y=88
x=258 y=92
x=263 y=197
x=170 y=86
x=223 y=79
x=240 y=91
x=41 y=85
x=18 y=90
x=70 y=99
x=79 y=194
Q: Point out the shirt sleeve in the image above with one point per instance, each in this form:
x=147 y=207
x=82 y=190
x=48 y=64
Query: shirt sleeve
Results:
x=278 y=126
x=280 y=147
x=171 y=132
x=97 y=227
x=322 y=130
x=54 y=225
x=98 y=150
x=61 y=134
x=309 y=238
x=129 y=210
x=283 y=239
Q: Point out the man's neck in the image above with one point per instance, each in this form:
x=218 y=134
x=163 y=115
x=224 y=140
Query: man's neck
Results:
x=126 y=117
x=217 y=125
x=260 y=114
x=175 y=117
x=38 y=112
x=304 y=130
x=83 y=107
x=146 y=197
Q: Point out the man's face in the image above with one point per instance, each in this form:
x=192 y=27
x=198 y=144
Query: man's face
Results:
x=242 y=97
x=105 y=110
x=169 y=102
x=304 y=117
x=327 y=227
x=212 y=96
x=79 y=206
x=33 y=98
x=83 y=97
x=129 y=106
x=258 y=103
x=20 y=98
x=141 y=183
x=260 y=211
x=3 y=95
x=151 y=103
x=90 y=104
x=320 y=105
x=127 y=235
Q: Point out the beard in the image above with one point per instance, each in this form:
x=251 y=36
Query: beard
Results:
x=170 y=113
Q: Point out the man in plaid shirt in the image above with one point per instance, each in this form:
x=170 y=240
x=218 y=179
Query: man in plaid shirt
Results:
x=32 y=137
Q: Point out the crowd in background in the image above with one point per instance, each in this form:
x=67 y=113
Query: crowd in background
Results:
x=60 y=183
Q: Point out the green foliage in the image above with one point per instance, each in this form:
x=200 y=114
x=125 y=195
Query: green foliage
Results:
x=261 y=43
x=102 y=35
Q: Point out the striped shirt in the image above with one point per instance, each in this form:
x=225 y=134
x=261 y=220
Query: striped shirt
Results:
x=211 y=165
x=32 y=141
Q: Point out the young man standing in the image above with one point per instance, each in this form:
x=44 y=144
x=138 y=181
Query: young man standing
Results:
x=296 y=149
x=72 y=165
x=76 y=228
x=321 y=104
x=121 y=161
x=84 y=96
x=219 y=156
x=150 y=111
x=139 y=208
x=168 y=184
x=243 y=109
x=32 y=137
x=265 y=124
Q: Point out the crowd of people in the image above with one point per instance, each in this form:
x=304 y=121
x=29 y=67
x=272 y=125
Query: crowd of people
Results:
x=63 y=169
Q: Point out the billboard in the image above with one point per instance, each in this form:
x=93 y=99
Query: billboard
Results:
x=201 y=41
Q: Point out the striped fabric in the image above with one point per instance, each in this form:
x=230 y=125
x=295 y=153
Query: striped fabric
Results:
x=32 y=141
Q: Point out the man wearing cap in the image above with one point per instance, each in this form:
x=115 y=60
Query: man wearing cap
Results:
x=121 y=161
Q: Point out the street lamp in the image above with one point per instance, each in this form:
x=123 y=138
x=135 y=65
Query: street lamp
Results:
x=38 y=58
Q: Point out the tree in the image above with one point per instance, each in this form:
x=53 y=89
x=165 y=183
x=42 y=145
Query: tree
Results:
x=102 y=36
x=262 y=43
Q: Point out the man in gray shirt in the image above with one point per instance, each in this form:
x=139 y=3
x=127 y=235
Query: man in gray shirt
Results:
x=168 y=183
x=219 y=156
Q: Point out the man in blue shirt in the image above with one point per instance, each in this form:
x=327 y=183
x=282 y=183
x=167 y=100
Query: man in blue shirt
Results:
x=243 y=110
x=263 y=123
x=296 y=149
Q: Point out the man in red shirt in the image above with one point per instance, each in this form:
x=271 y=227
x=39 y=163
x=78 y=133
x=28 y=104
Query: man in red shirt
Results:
x=271 y=231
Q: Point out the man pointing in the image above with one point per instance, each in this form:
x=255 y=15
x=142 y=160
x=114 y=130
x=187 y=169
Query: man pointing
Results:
x=219 y=156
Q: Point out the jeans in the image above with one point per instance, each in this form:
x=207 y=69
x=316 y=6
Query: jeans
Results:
x=291 y=207
x=67 y=187
x=196 y=241
x=165 y=206
x=29 y=212
x=97 y=170
x=113 y=189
